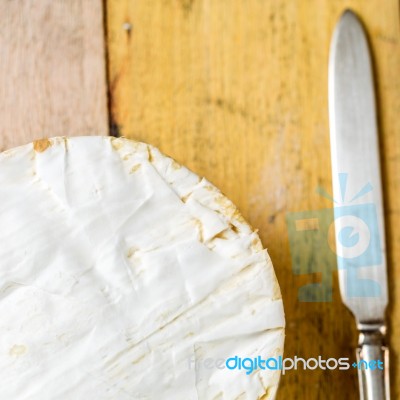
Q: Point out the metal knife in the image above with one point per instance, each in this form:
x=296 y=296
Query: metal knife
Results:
x=358 y=210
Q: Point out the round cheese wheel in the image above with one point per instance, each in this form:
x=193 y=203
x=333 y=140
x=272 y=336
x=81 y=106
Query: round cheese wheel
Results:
x=123 y=276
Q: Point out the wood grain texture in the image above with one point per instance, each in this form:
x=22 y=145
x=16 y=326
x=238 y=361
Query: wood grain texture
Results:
x=237 y=91
x=52 y=70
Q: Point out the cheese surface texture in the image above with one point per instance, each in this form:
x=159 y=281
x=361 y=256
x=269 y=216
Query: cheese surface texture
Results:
x=123 y=276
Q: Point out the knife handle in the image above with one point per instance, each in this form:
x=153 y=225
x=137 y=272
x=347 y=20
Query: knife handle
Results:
x=373 y=366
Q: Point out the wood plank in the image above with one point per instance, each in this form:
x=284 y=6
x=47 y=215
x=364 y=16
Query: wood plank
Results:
x=237 y=91
x=52 y=70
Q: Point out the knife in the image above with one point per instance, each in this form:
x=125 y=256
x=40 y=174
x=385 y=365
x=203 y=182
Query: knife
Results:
x=358 y=209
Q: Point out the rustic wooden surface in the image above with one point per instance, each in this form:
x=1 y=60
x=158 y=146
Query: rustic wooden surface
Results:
x=52 y=70
x=237 y=91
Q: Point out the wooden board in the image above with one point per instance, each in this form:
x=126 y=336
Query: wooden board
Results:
x=237 y=91
x=52 y=70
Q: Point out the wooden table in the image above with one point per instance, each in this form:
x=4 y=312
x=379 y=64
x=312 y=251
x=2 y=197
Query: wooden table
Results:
x=237 y=91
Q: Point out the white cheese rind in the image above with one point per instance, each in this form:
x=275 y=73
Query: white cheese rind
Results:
x=117 y=268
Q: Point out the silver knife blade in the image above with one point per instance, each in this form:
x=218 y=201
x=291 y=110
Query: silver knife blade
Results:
x=357 y=190
x=356 y=174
